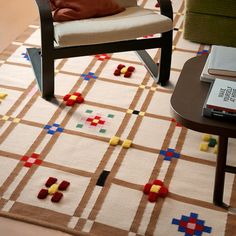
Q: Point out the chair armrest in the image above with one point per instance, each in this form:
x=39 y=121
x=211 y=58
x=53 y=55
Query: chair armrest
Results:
x=166 y=8
x=46 y=22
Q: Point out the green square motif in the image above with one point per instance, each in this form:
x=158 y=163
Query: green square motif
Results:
x=89 y=111
x=79 y=126
x=102 y=131
x=110 y=116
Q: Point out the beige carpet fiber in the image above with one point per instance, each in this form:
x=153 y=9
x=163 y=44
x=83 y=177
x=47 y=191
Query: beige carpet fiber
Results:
x=51 y=147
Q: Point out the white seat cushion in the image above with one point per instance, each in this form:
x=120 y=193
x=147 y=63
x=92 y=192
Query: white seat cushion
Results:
x=132 y=23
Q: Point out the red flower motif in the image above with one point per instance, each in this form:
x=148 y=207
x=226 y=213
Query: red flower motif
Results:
x=102 y=57
x=154 y=190
x=53 y=189
x=71 y=99
x=32 y=160
x=122 y=69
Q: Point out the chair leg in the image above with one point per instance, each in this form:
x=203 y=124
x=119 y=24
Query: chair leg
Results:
x=44 y=72
x=47 y=77
x=151 y=66
x=165 y=59
x=160 y=71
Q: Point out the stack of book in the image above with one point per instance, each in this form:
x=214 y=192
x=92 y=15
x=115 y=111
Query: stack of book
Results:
x=221 y=63
x=221 y=100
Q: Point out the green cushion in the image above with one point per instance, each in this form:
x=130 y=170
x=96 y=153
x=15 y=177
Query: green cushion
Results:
x=210 y=29
x=214 y=7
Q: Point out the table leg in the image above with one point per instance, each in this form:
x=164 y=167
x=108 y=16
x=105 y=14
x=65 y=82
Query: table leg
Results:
x=220 y=171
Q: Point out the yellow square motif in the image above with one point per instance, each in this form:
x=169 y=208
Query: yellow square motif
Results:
x=153 y=88
x=155 y=188
x=142 y=86
x=5 y=117
x=129 y=111
x=123 y=70
x=3 y=95
x=16 y=120
x=206 y=137
x=95 y=121
x=114 y=140
x=204 y=147
x=73 y=97
x=127 y=143
x=53 y=189
x=141 y=113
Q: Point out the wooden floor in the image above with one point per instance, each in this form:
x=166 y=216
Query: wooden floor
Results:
x=15 y=15
x=17 y=228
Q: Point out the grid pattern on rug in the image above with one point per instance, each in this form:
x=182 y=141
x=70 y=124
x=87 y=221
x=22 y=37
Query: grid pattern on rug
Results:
x=94 y=158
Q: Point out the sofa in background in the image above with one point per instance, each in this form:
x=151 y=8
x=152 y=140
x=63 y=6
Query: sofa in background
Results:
x=210 y=22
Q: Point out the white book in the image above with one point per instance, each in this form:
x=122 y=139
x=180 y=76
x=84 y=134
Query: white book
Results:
x=222 y=61
x=222 y=96
x=206 y=77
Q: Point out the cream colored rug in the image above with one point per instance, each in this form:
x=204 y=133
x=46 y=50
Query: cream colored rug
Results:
x=96 y=188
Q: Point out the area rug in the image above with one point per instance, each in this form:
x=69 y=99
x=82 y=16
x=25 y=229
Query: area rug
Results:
x=82 y=169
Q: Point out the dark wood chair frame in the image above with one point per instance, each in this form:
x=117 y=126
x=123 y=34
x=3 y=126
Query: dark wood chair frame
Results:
x=42 y=59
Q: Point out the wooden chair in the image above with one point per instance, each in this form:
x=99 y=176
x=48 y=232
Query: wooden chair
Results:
x=77 y=38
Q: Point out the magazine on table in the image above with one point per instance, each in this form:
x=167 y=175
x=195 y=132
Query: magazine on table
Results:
x=221 y=99
x=221 y=63
x=206 y=77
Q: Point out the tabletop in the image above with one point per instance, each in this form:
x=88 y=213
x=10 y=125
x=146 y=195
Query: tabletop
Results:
x=188 y=99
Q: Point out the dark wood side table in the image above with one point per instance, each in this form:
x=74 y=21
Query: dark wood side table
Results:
x=186 y=104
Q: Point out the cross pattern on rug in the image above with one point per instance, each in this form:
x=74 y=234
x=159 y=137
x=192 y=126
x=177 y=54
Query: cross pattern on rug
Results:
x=102 y=57
x=32 y=160
x=89 y=76
x=52 y=129
x=191 y=225
x=169 y=154
x=97 y=121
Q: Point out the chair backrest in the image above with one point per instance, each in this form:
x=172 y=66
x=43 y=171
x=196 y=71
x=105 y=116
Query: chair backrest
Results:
x=127 y=3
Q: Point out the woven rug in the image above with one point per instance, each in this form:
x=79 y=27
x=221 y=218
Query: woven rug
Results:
x=95 y=158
